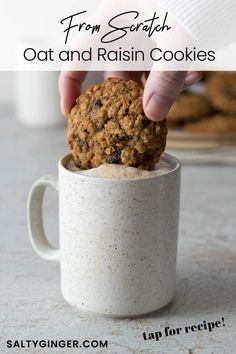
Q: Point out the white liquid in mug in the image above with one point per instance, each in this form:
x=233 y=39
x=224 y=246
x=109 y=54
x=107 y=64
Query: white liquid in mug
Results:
x=121 y=171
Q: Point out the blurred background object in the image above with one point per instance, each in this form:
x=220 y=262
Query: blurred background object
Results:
x=207 y=109
x=202 y=121
x=35 y=97
x=7 y=91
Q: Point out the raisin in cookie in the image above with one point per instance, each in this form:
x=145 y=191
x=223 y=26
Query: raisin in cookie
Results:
x=217 y=124
x=221 y=91
x=188 y=107
x=108 y=125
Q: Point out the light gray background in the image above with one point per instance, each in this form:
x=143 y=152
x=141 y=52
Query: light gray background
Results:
x=6 y=84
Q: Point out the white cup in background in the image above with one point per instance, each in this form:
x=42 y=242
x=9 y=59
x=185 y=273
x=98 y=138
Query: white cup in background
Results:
x=37 y=98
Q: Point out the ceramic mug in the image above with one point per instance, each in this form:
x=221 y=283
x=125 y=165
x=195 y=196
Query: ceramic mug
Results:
x=118 y=238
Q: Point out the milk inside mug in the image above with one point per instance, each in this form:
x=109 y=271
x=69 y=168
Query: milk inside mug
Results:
x=118 y=237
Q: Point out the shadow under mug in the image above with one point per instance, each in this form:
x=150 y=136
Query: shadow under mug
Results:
x=118 y=238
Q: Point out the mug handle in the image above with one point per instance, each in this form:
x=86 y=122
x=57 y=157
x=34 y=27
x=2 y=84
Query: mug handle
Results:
x=37 y=235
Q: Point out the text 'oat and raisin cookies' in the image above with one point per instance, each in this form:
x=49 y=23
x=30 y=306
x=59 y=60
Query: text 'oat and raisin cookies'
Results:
x=108 y=125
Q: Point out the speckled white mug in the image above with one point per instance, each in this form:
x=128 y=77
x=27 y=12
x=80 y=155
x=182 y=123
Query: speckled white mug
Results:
x=118 y=239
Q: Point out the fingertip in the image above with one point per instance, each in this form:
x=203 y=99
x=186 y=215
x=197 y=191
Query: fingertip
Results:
x=123 y=75
x=156 y=107
x=69 y=84
x=160 y=91
x=64 y=109
x=192 y=78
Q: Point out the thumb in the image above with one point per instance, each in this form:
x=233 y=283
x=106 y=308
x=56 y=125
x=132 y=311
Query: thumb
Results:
x=160 y=91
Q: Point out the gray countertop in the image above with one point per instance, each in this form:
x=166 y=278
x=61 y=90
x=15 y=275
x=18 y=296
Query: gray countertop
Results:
x=31 y=306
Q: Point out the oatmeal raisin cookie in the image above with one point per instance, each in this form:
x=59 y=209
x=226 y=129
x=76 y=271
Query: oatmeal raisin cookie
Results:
x=108 y=125
x=221 y=91
x=217 y=124
x=188 y=107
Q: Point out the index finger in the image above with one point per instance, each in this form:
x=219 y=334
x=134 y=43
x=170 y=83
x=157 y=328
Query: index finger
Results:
x=69 y=85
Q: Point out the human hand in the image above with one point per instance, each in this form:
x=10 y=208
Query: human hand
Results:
x=161 y=88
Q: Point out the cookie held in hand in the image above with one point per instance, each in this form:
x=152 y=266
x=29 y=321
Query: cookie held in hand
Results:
x=108 y=125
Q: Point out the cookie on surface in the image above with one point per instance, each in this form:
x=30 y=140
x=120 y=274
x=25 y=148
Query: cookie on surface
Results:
x=217 y=124
x=108 y=125
x=188 y=107
x=221 y=91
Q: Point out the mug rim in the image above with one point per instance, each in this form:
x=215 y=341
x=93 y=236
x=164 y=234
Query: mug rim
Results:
x=165 y=156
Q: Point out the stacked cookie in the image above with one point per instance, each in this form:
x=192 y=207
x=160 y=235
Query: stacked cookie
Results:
x=213 y=112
